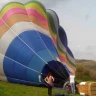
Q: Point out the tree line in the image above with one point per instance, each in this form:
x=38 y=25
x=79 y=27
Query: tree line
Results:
x=85 y=73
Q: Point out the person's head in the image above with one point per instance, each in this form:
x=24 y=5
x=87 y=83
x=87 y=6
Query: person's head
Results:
x=49 y=74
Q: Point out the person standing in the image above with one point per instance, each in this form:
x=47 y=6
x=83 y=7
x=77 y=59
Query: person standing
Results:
x=72 y=82
x=49 y=80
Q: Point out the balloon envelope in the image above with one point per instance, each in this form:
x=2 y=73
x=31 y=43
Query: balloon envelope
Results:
x=32 y=44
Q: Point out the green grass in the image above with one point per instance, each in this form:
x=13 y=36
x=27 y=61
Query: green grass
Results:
x=10 y=89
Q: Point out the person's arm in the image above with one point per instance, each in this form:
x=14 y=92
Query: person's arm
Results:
x=53 y=78
x=46 y=79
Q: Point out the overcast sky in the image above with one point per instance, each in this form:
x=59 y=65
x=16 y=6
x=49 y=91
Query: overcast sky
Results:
x=78 y=18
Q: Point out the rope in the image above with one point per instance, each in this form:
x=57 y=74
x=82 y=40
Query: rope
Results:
x=46 y=46
x=26 y=66
x=31 y=48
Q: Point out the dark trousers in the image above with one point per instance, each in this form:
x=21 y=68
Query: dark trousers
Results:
x=49 y=90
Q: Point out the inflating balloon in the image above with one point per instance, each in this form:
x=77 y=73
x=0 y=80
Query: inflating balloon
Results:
x=32 y=44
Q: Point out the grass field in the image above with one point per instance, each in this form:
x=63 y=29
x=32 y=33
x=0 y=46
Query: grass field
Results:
x=10 y=89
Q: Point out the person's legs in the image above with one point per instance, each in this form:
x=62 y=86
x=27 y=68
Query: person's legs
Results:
x=49 y=90
x=73 y=88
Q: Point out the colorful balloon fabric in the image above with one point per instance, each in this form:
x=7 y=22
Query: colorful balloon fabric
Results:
x=32 y=44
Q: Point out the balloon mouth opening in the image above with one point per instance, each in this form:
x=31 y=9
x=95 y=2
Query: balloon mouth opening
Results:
x=58 y=70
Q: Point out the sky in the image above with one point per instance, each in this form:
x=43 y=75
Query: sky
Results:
x=78 y=18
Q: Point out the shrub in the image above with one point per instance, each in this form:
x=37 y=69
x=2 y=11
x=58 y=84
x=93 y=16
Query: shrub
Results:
x=86 y=78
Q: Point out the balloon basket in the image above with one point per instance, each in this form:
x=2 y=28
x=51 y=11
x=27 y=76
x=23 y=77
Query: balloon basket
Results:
x=87 y=88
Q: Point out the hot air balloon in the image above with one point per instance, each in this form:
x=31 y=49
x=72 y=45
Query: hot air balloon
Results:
x=32 y=44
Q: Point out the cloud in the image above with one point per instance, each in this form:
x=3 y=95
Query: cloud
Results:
x=72 y=15
x=46 y=3
x=50 y=3
x=88 y=53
